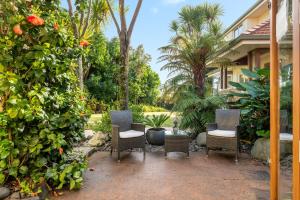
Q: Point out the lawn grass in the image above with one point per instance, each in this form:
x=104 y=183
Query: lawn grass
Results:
x=169 y=123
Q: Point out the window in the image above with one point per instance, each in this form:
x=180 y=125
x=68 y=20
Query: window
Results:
x=238 y=31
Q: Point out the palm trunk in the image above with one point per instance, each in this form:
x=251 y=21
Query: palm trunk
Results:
x=199 y=79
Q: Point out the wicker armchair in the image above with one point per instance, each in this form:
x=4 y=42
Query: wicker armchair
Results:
x=125 y=133
x=223 y=134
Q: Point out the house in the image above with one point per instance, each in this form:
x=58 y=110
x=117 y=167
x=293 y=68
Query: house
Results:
x=247 y=47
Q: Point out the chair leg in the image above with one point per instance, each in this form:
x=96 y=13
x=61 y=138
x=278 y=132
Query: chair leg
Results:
x=207 y=150
x=111 y=150
x=119 y=160
x=144 y=149
x=237 y=156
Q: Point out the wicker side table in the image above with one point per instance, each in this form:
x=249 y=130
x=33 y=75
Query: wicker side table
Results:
x=177 y=143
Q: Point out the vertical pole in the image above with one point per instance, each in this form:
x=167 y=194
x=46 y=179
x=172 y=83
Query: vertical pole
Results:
x=250 y=64
x=257 y=58
x=222 y=77
x=226 y=78
x=274 y=118
x=296 y=100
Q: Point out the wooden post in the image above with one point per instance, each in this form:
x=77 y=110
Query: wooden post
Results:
x=250 y=65
x=296 y=100
x=275 y=109
x=257 y=58
x=222 y=77
x=226 y=78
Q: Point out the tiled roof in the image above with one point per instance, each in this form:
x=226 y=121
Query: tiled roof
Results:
x=260 y=29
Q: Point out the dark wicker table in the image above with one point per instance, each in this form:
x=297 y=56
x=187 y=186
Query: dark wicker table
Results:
x=177 y=142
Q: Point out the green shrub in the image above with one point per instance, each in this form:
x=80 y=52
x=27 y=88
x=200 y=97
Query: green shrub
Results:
x=137 y=113
x=149 y=108
x=104 y=124
x=196 y=112
x=253 y=98
x=42 y=112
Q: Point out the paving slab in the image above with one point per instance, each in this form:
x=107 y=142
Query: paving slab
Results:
x=216 y=177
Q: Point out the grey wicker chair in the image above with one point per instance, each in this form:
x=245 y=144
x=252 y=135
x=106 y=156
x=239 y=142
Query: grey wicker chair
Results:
x=126 y=134
x=223 y=134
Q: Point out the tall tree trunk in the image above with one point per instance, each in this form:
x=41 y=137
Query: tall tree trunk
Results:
x=124 y=36
x=80 y=72
x=124 y=86
x=199 y=78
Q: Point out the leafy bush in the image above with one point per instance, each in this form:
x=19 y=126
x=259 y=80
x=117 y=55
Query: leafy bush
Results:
x=69 y=172
x=42 y=112
x=137 y=113
x=253 y=98
x=197 y=111
x=156 y=121
x=104 y=125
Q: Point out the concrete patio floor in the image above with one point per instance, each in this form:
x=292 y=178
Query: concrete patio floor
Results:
x=175 y=178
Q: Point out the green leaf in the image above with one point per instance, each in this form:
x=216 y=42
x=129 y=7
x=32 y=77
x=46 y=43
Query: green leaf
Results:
x=250 y=74
x=237 y=85
x=15 y=163
x=2 y=178
x=77 y=174
x=72 y=184
x=12 y=112
x=13 y=171
x=23 y=170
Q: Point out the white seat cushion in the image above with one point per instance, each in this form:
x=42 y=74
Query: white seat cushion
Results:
x=286 y=137
x=222 y=133
x=131 y=134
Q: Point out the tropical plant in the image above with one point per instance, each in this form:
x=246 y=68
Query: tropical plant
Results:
x=124 y=34
x=42 y=112
x=197 y=36
x=253 y=98
x=156 y=121
x=196 y=112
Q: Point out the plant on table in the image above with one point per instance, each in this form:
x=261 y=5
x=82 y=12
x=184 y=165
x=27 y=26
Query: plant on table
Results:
x=156 y=134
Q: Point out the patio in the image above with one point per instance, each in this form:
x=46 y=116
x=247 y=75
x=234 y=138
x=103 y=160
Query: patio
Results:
x=199 y=177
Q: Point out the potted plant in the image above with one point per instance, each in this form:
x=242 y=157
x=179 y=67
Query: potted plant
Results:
x=156 y=134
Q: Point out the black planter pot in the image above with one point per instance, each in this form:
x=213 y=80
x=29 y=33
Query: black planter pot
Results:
x=156 y=136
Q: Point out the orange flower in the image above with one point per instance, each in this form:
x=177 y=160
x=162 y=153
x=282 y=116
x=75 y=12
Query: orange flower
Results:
x=61 y=151
x=84 y=43
x=17 y=29
x=35 y=20
x=56 y=26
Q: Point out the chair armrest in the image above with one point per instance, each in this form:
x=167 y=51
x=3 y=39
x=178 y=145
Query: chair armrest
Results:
x=138 y=127
x=115 y=131
x=211 y=126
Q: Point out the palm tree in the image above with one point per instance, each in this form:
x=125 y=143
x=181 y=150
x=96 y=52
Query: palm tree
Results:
x=197 y=36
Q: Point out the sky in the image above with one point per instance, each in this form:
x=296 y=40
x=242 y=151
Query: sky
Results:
x=152 y=25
